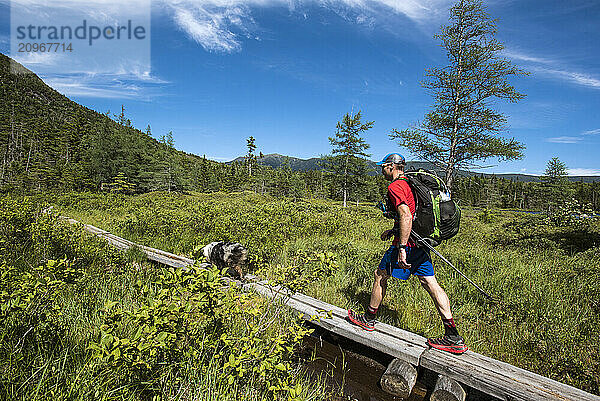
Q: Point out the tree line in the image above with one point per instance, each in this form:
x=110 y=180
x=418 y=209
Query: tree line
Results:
x=48 y=142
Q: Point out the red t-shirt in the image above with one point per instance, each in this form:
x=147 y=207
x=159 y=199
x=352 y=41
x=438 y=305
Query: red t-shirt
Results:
x=399 y=193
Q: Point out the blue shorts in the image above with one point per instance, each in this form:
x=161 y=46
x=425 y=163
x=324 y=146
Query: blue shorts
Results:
x=417 y=258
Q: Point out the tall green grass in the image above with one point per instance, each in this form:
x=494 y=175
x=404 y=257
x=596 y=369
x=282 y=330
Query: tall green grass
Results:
x=545 y=277
x=45 y=340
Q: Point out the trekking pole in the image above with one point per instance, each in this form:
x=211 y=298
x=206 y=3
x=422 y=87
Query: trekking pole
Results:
x=422 y=241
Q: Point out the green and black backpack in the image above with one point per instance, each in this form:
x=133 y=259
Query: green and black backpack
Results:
x=437 y=215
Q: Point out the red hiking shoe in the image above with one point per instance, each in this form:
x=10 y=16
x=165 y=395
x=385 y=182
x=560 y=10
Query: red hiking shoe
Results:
x=361 y=320
x=452 y=344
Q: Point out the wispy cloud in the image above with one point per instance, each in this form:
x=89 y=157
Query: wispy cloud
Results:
x=104 y=86
x=578 y=78
x=211 y=29
x=591 y=132
x=220 y=159
x=84 y=71
x=89 y=7
x=221 y=25
x=583 y=171
x=554 y=68
x=522 y=171
x=35 y=59
x=574 y=138
x=516 y=55
x=565 y=139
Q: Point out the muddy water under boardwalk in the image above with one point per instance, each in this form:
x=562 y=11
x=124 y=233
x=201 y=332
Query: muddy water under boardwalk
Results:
x=349 y=370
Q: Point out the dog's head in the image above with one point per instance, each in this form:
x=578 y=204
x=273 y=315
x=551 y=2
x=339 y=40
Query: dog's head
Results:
x=206 y=251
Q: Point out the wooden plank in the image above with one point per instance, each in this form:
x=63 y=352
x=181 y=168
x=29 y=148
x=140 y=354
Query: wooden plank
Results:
x=488 y=375
x=153 y=254
x=500 y=380
x=381 y=341
x=392 y=331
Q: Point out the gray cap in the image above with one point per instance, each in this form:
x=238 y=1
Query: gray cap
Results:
x=395 y=158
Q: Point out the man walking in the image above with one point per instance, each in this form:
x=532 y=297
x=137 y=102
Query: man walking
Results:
x=404 y=258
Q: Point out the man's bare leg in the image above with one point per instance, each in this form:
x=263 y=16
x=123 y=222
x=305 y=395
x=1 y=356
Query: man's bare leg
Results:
x=367 y=320
x=438 y=295
x=451 y=341
x=379 y=288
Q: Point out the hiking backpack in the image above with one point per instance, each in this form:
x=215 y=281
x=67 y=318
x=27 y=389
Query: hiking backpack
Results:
x=437 y=216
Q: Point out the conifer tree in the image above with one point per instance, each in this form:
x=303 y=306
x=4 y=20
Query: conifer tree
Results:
x=348 y=159
x=250 y=156
x=556 y=171
x=555 y=186
x=462 y=128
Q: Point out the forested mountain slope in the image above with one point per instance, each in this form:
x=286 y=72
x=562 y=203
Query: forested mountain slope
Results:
x=48 y=141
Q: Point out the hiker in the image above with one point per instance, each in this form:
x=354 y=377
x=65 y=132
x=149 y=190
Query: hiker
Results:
x=404 y=258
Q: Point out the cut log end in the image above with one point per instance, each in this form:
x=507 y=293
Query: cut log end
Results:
x=399 y=379
x=447 y=389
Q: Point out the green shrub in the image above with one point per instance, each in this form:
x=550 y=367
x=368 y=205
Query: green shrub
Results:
x=83 y=321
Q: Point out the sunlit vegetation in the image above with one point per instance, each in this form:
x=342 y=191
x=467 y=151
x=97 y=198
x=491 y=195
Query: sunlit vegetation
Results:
x=544 y=274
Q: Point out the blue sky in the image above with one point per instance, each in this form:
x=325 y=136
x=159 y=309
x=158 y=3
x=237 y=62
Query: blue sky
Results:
x=285 y=71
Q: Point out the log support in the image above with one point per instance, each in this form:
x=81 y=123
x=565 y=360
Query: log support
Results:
x=447 y=389
x=399 y=379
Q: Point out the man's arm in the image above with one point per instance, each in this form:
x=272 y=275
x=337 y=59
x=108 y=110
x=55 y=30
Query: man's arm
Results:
x=405 y=221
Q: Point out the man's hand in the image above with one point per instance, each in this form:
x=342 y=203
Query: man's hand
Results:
x=402 y=259
x=386 y=234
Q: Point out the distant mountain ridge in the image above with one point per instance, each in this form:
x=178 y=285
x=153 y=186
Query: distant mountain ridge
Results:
x=276 y=160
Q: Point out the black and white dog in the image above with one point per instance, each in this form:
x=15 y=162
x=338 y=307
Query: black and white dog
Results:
x=227 y=254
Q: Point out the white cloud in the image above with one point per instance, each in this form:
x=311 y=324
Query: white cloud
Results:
x=554 y=68
x=220 y=159
x=522 y=171
x=583 y=171
x=565 y=139
x=591 y=132
x=574 y=139
x=208 y=29
x=101 y=86
x=83 y=71
x=416 y=10
x=218 y=25
x=89 y=7
x=516 y=55
x=78 y=88
x=574 y=77
x=35 y=59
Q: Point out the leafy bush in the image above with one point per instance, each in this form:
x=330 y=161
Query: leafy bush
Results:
x=89 y=324
x=487 y=216
x=533 y=266
x=570 y=213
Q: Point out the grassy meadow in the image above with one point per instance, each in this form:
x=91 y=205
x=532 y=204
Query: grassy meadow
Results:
x=80 y=320
x=545 y=277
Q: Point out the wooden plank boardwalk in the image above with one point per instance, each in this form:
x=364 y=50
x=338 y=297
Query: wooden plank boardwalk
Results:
x=489 y=376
